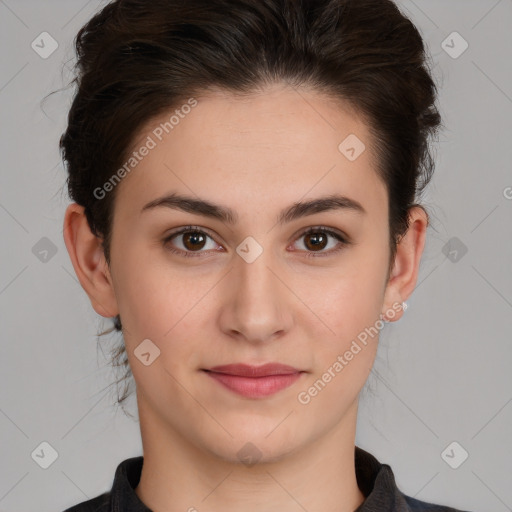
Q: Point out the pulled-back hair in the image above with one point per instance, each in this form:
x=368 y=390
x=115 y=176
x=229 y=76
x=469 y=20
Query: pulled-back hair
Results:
x=137 y=59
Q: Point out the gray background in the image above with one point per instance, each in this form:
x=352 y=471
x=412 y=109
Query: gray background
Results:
x=442 y=372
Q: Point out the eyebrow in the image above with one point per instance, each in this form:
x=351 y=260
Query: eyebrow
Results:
x=227 y=215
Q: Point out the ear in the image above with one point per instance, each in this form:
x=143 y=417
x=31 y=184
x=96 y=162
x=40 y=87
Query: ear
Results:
x=89 y=262
x=404 y=275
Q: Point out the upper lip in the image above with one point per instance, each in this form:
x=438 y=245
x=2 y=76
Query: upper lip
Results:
x=245 y=370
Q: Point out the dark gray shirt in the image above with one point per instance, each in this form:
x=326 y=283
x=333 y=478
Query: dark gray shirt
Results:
x=375 y=480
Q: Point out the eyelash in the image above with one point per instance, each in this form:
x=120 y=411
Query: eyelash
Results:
x=309 y=254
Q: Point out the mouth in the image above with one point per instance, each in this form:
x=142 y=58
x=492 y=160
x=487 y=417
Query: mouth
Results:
x=254 y=381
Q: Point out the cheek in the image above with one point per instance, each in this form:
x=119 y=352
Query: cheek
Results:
x=343 y=361
x=348 y=352
x=350 y=298
x=163 y=305
x=349 y=303
x=147 y=290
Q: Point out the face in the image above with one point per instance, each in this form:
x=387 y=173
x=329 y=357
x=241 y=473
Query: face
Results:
x=252 y=288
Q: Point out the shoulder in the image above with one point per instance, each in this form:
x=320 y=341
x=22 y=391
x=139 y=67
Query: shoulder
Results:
x=415 y=505
x=122 y=494
x=98 y=504
x=377 y=482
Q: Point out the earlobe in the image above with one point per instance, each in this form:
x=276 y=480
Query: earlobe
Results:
x=405 y=271
x=87 y=257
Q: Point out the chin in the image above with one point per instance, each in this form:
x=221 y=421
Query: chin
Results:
x=251 y=447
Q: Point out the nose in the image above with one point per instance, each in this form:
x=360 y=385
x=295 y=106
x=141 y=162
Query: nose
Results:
x=257 y=306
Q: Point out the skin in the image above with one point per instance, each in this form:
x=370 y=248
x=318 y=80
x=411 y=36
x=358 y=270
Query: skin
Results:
x=257 y=156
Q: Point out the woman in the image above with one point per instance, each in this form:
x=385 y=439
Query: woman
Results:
x=244 y=177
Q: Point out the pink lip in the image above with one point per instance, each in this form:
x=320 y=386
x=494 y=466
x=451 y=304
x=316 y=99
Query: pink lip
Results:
x=255 y=381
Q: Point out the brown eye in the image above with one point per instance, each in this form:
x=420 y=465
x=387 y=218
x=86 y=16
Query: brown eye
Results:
x=316 y=239
x=189 y=241
x=193 y=240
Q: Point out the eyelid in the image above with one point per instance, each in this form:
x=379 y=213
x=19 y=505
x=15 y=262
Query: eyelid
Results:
x=186 y=229
x=323 y=228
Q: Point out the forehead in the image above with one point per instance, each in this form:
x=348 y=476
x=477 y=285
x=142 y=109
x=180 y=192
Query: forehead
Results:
x=282 y=142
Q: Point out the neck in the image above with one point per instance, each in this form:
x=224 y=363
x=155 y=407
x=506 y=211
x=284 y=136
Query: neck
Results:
x=180 y=476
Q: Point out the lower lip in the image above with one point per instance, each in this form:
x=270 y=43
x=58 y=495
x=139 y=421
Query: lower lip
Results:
x=255 y=387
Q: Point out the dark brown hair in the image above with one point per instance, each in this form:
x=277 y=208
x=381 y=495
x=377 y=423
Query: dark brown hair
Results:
x=137 y=59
